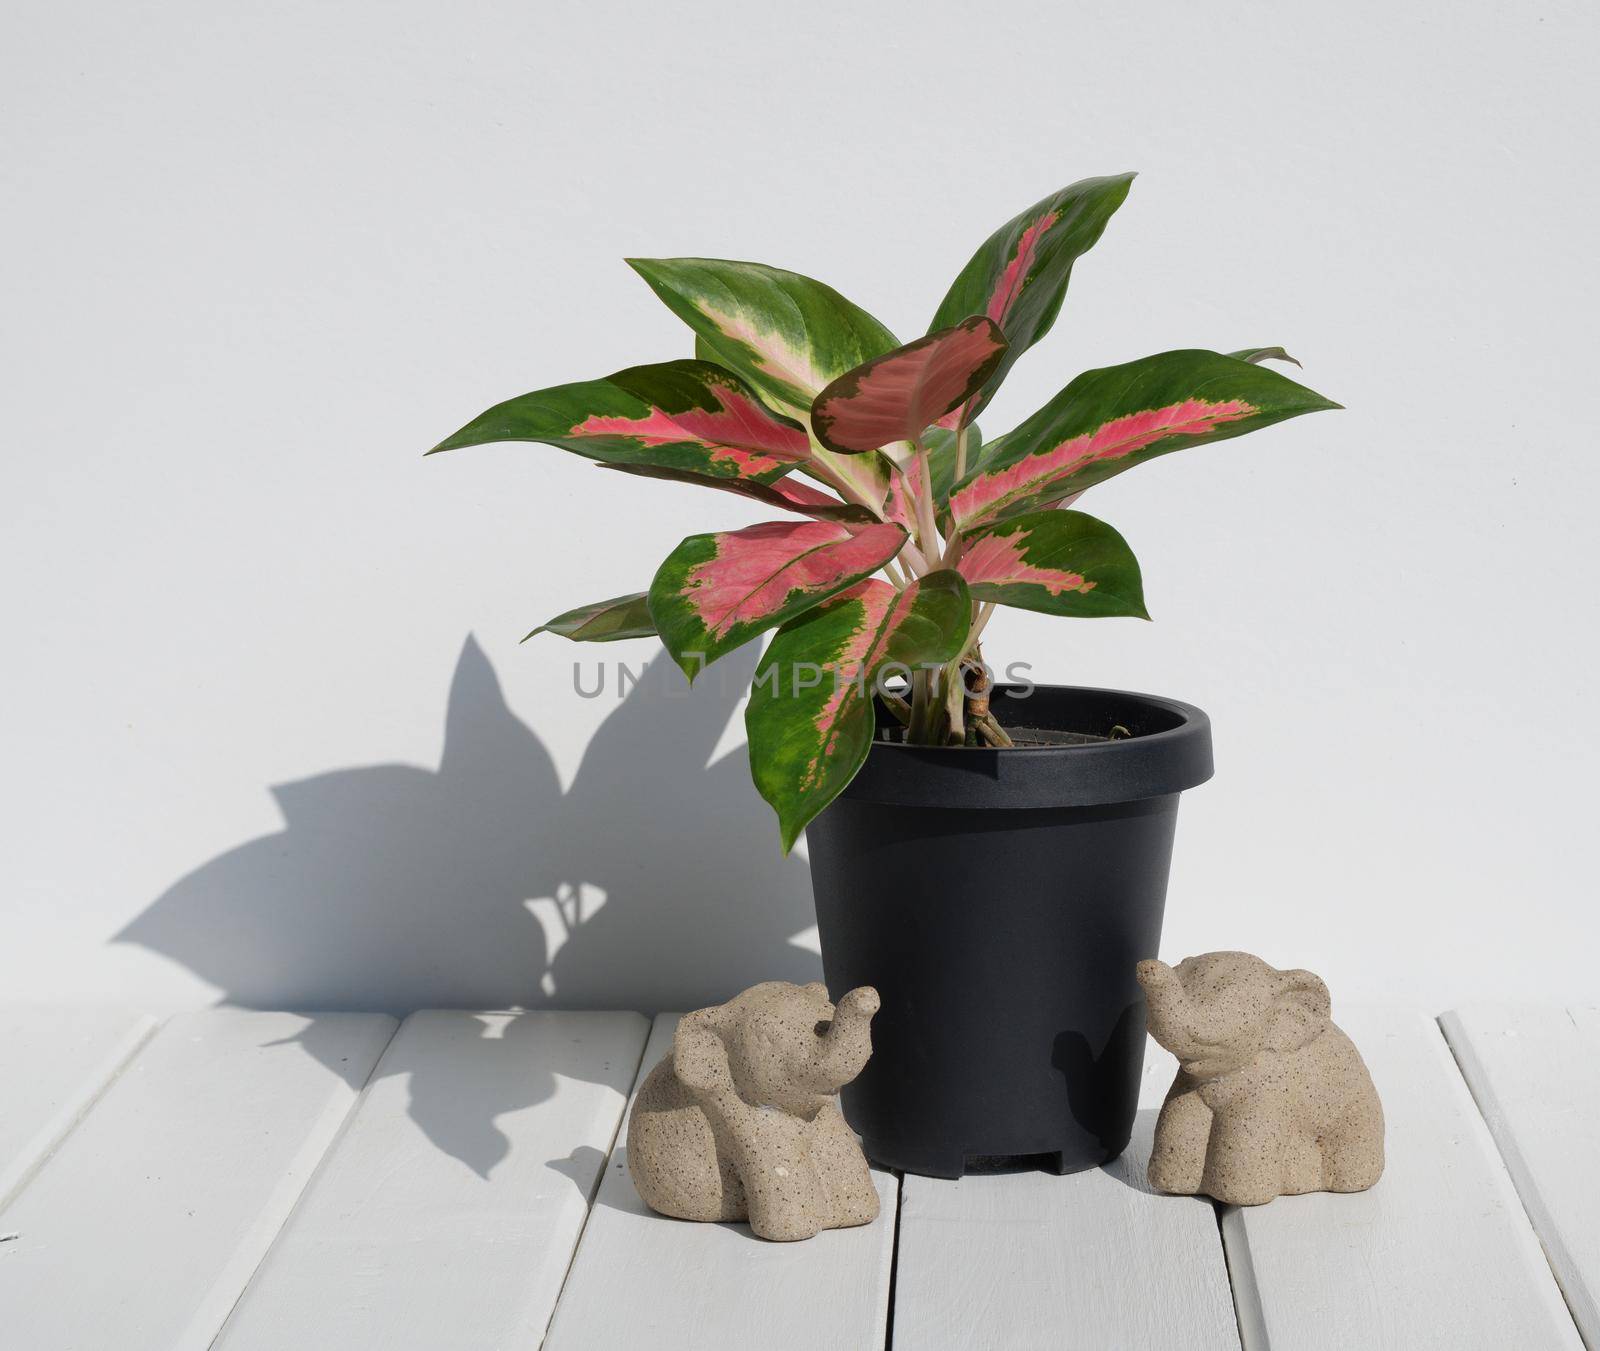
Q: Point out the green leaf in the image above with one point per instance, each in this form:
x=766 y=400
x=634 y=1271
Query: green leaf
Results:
x=716 y=592
x=687 y=415
x=1109 y=420
x=605 y=621
x=810 y=719
x=784 y=333
x=1019 y=276
x=1057 y=562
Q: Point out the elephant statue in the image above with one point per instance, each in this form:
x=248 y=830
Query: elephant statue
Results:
x=742 y=1121
x=1271 y=1099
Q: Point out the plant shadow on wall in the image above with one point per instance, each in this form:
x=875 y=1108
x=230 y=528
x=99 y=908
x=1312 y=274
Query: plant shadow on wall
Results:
x=654 y=882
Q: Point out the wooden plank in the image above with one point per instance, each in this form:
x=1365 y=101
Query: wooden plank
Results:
x=456 y=1194
x=143 y=1227
x=640 y=1279
x=1439 y=1253
x=54 y=1062
x=1535 y=1073
x=1092 y=1260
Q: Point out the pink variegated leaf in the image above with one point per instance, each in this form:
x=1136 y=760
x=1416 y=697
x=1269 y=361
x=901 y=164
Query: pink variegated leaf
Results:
x=1058 y=562
x=786 y=493
x=865 y=477
x=1109 y=420
x=894 y=396
x=1019 y=276
x=786 y=334
x=686 y=415
x=810 y=717
x=716 y=592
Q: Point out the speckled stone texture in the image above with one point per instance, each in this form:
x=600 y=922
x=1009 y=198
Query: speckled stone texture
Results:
x=1271 y=1098
x=742 y=1120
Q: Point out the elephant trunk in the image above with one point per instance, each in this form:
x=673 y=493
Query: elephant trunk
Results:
x=1164 y=997
x=842 y=1049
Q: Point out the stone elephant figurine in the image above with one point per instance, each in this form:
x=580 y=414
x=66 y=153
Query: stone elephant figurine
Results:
x=1271 y=1099
x=742 y=1121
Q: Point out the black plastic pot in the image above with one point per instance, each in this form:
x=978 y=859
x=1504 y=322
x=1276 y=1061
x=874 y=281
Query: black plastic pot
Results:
x=999 y=900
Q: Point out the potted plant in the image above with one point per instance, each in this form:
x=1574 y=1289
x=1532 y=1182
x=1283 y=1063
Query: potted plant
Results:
x=992 y=858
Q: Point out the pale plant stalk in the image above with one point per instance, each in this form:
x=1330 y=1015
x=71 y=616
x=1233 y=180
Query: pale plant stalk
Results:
x=985 y=609
x=927 y=528
x=955 y=702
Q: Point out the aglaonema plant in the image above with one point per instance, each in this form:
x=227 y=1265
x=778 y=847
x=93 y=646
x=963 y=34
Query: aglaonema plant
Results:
x=903 y=527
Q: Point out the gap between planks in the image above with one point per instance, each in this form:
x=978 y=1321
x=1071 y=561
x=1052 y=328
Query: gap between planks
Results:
x=1534 y=1073
x=198 y=1149
x=441 y=1211
x=106 y=1042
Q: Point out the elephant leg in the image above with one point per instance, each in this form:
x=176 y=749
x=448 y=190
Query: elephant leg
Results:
x=679 y=1167
x=852 y=1198
x=786 y=1198
x=1178 y=1158
x=1245 y=1163
x=1352 y=1153
x=1303 y=1171
x=769 y=1150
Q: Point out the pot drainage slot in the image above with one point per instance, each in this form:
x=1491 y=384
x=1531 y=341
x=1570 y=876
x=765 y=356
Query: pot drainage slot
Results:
x=1012 y=1163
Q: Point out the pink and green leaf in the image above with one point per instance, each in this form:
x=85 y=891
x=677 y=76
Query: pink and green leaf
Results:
x=1110 y=420
x=784 y=493
x=686 y=415
x=865 y=477
x=810 y=718
x=716 y=592
x=894 y=396
x=784 y=333
x=605 y=621
x=1057 y=562
x=1019 y=276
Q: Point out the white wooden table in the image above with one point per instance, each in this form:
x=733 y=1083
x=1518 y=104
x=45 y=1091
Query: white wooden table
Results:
x=458 y=1181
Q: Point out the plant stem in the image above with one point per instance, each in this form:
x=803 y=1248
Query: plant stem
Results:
x=927 y=530
x=991 y=731
x=985 y=609
x=979 y=717
x=961 y=452
x=954 y=703
x=915 y=564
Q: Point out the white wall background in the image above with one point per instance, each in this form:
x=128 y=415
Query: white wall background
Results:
x=257 y=257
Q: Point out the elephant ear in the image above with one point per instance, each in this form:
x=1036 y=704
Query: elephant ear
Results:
x=1300 y=1012
x=699 y=1058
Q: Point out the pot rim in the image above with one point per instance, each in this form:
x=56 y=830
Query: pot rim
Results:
x=1169 y=752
